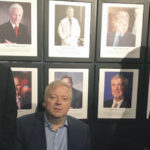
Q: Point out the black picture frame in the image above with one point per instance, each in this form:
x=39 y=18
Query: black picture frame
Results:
x=135 y=53
x=53 y=50
x=22 y=71
x=34 y=50
x=134 y=74
x=82 y=75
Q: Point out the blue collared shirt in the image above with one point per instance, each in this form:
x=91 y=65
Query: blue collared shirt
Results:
x=56 y=140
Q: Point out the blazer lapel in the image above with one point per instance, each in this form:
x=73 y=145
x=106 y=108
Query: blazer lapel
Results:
x=72 y=140
x=11 y=29
x=39 y=131
x=70 y=131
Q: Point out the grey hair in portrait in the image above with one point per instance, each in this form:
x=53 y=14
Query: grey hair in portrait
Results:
x=124 y=80
x=122 y=12
x=54 y=85
x=15 y=5
x=68 y=77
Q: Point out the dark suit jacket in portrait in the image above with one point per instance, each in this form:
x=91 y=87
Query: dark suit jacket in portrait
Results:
x=31 y=133
x=8 y=108
x=125 y=103
x=128 y=40
x=26 y=101
x=7 y=32
x=76 y=98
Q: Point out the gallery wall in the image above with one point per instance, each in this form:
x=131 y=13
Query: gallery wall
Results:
x=91 y=64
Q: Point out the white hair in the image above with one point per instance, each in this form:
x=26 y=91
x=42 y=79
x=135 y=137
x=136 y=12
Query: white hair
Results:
x=15 y=5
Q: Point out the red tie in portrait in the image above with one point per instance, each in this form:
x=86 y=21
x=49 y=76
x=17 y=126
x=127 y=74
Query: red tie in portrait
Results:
x=16 y=30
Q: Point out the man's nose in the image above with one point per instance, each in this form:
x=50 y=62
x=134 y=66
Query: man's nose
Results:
x=17 y=17
x=59 y=100
x=116 y=87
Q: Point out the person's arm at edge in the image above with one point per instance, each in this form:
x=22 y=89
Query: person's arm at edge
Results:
x=10 y=114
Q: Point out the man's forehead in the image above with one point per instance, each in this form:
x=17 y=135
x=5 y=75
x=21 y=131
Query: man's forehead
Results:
x=122 y=15
x=117 y=79
x=70 y=10
x=17 y=9
x=57 y=87
x=64 y=91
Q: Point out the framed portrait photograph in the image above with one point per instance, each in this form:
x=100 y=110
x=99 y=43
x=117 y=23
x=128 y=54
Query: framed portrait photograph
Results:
x=117 y=93
x=121 y=27
x=78 y=79
x=28 y=91
x=18 y=30
x=68 y=27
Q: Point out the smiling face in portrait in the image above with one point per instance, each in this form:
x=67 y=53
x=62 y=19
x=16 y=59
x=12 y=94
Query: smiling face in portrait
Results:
x=121 y=22
x=117 y=88
x=57 y=102
x=16 y=15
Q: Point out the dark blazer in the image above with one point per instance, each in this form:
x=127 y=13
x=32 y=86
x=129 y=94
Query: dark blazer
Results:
x=76 y=98
x=7 y=32
x=31 y=133
x=26 y=101
x=125 y=103
x=128 y=40
x=8 y=108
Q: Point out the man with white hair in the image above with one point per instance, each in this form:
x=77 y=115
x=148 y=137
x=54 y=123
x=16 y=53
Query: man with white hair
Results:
x=13 y=31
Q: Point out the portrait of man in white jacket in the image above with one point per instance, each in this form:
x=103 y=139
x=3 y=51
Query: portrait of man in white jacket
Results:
x=69 y=29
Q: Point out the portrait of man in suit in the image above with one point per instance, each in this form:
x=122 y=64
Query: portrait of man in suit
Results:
x=23 y=91
x=119 y=85
x=76 y=94
x=119 y=35
x=14 y=31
